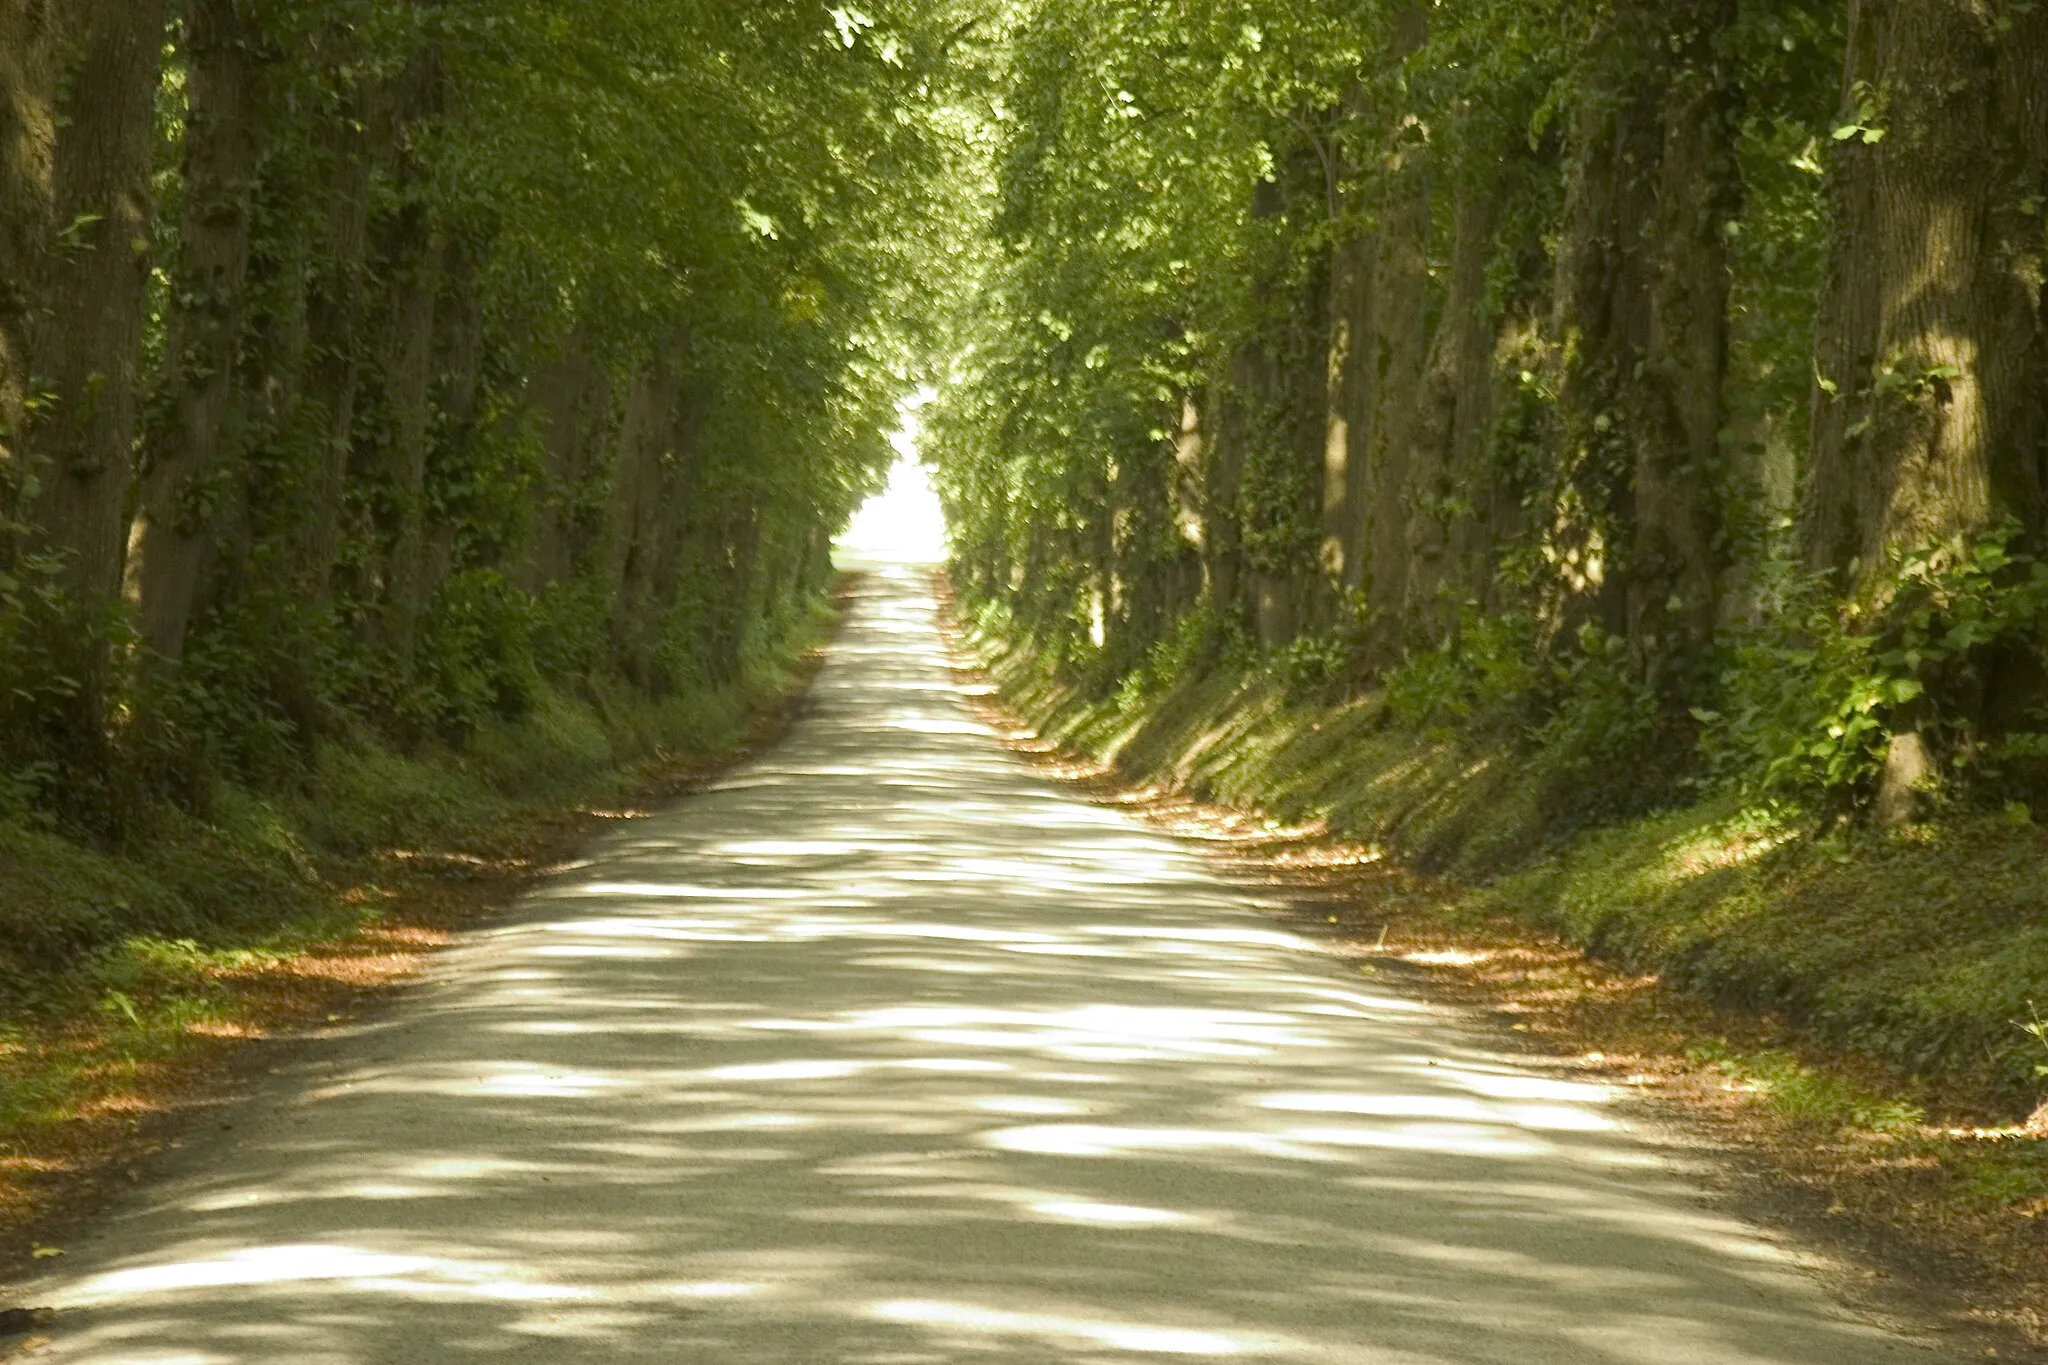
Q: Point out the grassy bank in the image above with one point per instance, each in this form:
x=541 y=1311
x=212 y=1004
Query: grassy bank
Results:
x=1926 y=949
x=125 y=972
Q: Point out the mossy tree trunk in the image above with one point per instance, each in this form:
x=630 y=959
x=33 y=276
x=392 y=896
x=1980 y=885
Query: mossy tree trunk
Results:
x=29 y=47
x=185 y=445
x=1673 y=407
x=1396 y=466
x=1452 y=493
x=87 y=341
x=1928 y=416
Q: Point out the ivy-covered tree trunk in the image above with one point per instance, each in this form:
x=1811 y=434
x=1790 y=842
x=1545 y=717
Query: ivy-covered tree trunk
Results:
x=650 y=507
x=735 y=555
x=1930 y=417
x=1673 y=405
x=28 y=89
x=572 y=397
x=87 y=341
x=1143 y=542
x=185 y=444
x=1929 y=412
x=1223 y=451
x=1346 y=419
x=1452 y=490
x=1396 y=466
x=335 y=298
x=1601 y=325
x=406 y=372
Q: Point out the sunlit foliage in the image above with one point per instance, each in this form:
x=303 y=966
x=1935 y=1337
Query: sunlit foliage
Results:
x=1664 y=350
x=476 y=350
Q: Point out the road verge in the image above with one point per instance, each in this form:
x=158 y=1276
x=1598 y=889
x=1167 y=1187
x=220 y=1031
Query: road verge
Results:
x=1935 y=1183
x=121 y=1052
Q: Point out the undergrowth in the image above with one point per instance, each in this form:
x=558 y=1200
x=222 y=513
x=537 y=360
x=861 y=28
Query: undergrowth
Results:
x=1924 y=948
x=113 y=956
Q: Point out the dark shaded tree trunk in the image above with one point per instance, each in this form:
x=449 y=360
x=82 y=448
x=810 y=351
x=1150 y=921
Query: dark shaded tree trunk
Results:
x=1347 y=419
x=405 y=365
x=185 y=445
x=335 y=296
x=1396 y=467
x=735 y=553
x=28 y=128
x=1453 y=493
x=651 y=512
x=1145 y=545
x=1674 y=408
x=1600 y=326
x=573 y=397
x=1222 y=456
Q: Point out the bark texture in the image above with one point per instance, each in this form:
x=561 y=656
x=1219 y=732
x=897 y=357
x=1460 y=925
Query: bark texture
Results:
x=1929 y=406
x=184 y=450
x=88 y=333
x=1674 y=408
x=28 y=88
x=1446 y=526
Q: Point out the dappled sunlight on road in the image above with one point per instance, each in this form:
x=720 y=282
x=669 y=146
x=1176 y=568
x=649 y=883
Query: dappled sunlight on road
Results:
x=887 y=1051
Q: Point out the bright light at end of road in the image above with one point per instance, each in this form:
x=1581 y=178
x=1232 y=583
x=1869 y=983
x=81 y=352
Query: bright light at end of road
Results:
x=901 y=524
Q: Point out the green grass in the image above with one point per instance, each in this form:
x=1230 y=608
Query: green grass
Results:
x=1821 y=1099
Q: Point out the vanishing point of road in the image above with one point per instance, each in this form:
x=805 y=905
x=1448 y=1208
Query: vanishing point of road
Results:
x=885 y=1050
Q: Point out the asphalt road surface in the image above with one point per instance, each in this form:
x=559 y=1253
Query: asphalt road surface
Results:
x=887 y=1050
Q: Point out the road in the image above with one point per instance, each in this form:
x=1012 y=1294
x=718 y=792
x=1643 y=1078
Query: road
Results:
x=887 y=1050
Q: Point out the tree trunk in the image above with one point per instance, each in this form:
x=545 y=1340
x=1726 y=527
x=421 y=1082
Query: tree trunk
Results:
x=334 y=321
x=1395 y=467
x=1222 y=476
x=87 y=336
x=406 y=369
x=574 y=400
x=1453 y=493
x=736 y=558
x=28 y=130
x=650 y=509
x=1674 y=409
x=1143 y=544
x=1347 y=417
x=1600 y=327
x=184 y=449
x=1929 y=406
